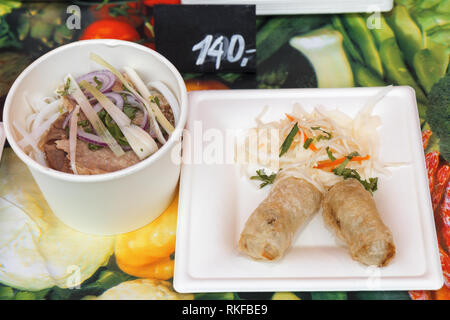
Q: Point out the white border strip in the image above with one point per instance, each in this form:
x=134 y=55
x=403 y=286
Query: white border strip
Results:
x=274 y=7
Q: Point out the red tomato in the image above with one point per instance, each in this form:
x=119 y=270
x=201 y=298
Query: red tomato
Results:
x=110 y=29
x=153 y=2
x=130 y=12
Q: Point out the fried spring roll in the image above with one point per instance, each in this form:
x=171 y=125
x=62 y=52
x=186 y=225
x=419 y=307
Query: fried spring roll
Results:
x=269 y=230
x=350 y=211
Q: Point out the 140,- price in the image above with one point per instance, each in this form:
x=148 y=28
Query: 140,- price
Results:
x=222 y=48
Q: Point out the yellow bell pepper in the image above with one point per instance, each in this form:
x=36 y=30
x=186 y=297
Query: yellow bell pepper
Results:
x=146 y=252
x=161 y=269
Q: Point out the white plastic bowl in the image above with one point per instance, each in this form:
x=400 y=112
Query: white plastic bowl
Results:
x=110 y=203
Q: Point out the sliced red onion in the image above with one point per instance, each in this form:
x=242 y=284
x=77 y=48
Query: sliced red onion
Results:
x=133 y=101
x=146 y=123
x=94 y=139
x=91 y=138
x=116 y=99
x=67 y=119
x=106 y=77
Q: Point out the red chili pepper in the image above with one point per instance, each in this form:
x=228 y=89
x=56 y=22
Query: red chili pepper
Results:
x=444 y=218
x=426 y=134
x=442 y=178
x=445 y=263
x=432 y=162
x=420 y=295
x=442 y=294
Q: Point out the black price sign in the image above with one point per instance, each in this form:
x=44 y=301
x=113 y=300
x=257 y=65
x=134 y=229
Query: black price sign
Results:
x=207 y=38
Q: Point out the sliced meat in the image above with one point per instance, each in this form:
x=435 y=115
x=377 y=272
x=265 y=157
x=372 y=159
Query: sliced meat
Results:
x=139 y=118
x=165 y=108
x=55 y=144
x=167 y=112
x=68 y=104
x=56 y=158
x=118 y=86
x=97 y=161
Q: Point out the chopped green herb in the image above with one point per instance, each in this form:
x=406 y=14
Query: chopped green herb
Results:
x=340 y=169
x=353 y=154
x=65 y=90
x=94 y=147
x=330 y=155
x=288 y=141
x=320 y=137
x=113 y=128
x=130 y=111
x=102 y=114
x=83 y=123
x=155 y=100
x=98 y=82
x=262 y=176
x=307 y=143
x=88 y=129
x=370 y=185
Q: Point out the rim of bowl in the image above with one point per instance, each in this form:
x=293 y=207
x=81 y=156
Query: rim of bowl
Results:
x=176 y=134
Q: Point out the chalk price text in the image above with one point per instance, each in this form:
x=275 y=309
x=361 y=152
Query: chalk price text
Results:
x=221 y=48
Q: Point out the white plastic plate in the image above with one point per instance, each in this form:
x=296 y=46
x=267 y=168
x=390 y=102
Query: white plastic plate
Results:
x=274 y=7
x=215 y=202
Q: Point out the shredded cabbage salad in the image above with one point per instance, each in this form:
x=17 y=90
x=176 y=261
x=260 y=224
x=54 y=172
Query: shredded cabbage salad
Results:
x=321 y=146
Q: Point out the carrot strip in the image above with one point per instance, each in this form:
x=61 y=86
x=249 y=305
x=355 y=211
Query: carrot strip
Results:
x=289 y=117
x=335 y=163
x=311 y=146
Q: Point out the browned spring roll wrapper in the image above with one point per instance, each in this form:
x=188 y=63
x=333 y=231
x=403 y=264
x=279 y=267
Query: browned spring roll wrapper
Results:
x=269 y=230
x=350 y=211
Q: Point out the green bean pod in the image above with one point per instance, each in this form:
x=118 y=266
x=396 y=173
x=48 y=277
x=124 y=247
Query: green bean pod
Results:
x=431 y=64
x=349 y=47
x=430 y=20
x=396 y=69
x=277 y=31
x=358 y=30
x=383 y=32
x=407 y=32
x=365 y=77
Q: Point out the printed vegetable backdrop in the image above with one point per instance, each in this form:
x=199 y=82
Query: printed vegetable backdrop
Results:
x=408 y=46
